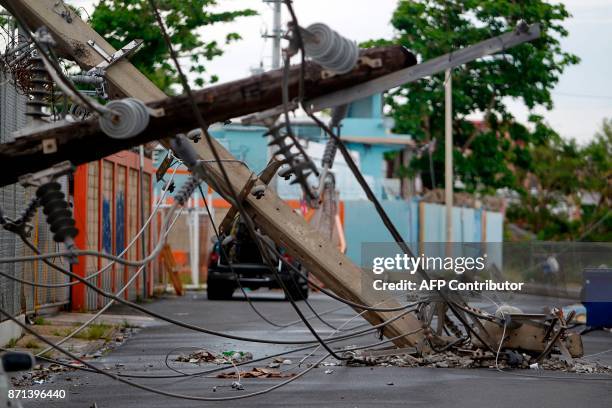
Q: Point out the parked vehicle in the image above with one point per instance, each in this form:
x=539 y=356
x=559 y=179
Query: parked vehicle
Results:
x=248 y=268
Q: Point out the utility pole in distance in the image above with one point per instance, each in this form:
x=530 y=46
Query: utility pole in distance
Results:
x=276 y=64
x=448 y=157
x=276 y=33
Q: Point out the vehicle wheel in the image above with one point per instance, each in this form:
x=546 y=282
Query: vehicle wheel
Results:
x=299 y=291
x=219 y=291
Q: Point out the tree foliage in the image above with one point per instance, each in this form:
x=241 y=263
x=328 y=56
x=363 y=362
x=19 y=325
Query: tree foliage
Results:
x=485 y=154
x=121 y=21
x=568 y=191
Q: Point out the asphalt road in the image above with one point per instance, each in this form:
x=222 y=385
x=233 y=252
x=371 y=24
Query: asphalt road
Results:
x=348 y=387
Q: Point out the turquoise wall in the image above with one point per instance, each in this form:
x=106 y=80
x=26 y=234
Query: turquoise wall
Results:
x=245 y=143
x=363 y=225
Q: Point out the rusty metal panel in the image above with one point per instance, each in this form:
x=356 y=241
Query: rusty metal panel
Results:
x=108 y=199
x=120 y=222
x=160 y=279
x=146 y=198
x=107 y=226
x=132 y=226
x=93 y=226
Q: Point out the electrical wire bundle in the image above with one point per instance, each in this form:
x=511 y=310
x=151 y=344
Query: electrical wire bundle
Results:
x=266 y=249
x=181 y=199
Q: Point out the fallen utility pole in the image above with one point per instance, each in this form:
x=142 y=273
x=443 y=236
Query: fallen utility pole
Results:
x=270 y=213
x=82 y=142
x=522 y=33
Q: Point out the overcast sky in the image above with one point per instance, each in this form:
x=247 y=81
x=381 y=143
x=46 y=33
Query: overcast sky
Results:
x=582 y=98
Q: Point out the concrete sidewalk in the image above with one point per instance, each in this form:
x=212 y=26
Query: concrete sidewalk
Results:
x=132 y=320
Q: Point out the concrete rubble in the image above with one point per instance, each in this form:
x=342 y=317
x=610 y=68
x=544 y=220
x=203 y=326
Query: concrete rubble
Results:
x=476 y=359
x=205 y=356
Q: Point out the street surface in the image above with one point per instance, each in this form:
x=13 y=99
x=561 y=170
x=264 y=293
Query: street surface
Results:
x=347 y=387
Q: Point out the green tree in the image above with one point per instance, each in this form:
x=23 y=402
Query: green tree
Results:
x=486 y=154
x=568 y=190
x=551 y=190
x=596 y=177
x=121 y=21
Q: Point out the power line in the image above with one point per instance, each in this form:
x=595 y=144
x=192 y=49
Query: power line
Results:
x=151 y=389
x=107 y=266
x=237 y=278
x=208 y=331
x=248 y=221
x=578 y=95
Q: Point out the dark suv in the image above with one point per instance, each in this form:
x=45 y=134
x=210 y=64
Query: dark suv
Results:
x=249 y=268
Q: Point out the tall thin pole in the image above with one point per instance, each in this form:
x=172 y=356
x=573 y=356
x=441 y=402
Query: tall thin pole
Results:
x=448 y=155
x=276 y=64
x=276 y=40
x=195 y=243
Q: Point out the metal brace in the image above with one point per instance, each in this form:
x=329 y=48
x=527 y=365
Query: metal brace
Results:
x=163 y=167
x=44 y=176
x=110 y=60
x=233 y=211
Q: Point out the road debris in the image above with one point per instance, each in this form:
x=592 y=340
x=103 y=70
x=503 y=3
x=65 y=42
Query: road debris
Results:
x=205 y=356
x=474 y=359
x=256 y=372
x=38 y=375
x=238 y=356
x=197 y=357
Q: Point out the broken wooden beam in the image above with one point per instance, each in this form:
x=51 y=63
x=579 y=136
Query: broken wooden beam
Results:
x=319 y=256
x=82 y=142
x=265 y=177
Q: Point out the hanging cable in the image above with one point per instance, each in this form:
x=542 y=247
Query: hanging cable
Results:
x=54 y=70
x=388 y=223
x=248 y=221
x=231 y=266
x=338 y=298
x=151 y=389
x=105 y=307
x=24 y=220
x=198 y=328
x=237 y=278
x=364 y=185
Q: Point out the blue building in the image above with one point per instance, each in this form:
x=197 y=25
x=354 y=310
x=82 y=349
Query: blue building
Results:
x=367 y=133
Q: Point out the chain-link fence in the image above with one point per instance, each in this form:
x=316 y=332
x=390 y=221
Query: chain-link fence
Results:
x=12 y=198
x=15 y=297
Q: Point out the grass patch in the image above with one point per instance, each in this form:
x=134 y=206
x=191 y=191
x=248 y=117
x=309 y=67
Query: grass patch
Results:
x=127 y=325
x=39 y=320
x=95 y=332
x=12 y=342
x=32 y=344
x=61 y=333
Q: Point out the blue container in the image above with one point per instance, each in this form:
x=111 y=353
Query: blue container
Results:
x=597 y=296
